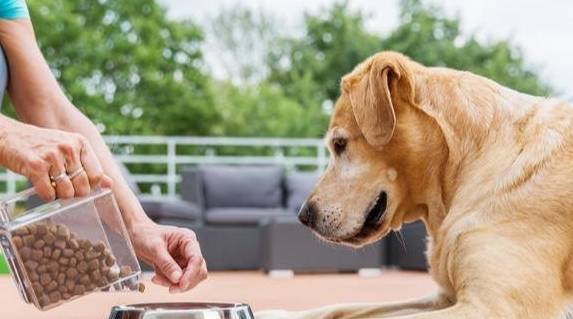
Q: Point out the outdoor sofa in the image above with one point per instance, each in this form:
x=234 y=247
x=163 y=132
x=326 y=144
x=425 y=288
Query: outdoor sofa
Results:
x=172 y=211
x=249 y=221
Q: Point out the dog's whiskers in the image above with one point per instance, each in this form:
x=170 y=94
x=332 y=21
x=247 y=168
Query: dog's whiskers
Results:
x=401 y=239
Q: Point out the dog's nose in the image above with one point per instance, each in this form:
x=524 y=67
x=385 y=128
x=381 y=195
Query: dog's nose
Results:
x=307 y=214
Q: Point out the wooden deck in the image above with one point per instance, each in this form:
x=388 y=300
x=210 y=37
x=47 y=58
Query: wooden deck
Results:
x=254 y=288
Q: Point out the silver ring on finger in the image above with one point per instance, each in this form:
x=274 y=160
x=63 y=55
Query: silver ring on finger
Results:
x=76 y=172
x=59 y=177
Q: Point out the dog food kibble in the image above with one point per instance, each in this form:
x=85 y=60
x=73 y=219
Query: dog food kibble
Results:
x=74 y=245
x=45 y=279
x=99 y=246
x=141 y=287
x=63 y=232
x=55 y=296
x=39 y=244
x=44 y=300
x=61 y=279
x=85 y=244
x=53 y=266
x=79 y=290
x=79 y=255
x=31 y=265
x=37 y=255
x=71 y=273
x=34 y=276
x=64 y=261
x=26 y=252
x=109 y=261
x=18 y=242
x=68 y=252
x=60 y=243
x=32 y=229
x=28 y=240
x=41 y=229
x=51 y=286
x=62 y=289
x=124 y=271
x=61 y=265
x=85 y=279
x=82 y=266
x=42 y=269
x=49 y=238
x=112 y=276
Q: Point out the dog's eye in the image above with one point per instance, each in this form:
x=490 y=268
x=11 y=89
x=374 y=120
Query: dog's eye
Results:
x=339 y=145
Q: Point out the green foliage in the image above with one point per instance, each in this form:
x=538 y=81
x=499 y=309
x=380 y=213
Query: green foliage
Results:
x=126 y=65
x=131 y=69
x=3 y=265
x=336 y=40
x=248 y=104
x=310 y=67
x=240 y=39
x=264 y=110
x=428 y=36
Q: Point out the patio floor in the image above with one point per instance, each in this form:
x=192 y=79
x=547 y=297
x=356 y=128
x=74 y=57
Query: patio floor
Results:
x=255 y=288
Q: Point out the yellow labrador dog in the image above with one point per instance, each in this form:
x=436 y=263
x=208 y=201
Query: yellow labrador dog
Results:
x=488 y=170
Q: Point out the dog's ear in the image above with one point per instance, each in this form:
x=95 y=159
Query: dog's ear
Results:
x=375 y=93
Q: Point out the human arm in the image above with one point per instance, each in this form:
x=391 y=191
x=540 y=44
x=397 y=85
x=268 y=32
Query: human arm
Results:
x=39 y=101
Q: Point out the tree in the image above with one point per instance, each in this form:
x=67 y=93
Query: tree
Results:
x=248 y=104
x=428 y=36
x=239 y=39
x=309 y=68
x=127 y=66
x=134 y=71
x=264 y=110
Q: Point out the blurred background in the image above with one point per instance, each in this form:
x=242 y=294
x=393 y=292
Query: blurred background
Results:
x=180 y=88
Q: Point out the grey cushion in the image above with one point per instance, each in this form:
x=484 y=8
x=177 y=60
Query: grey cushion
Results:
x=298 y=186
x=183 y=223
x=242 y=216
x=158 y=208
x=242 y=186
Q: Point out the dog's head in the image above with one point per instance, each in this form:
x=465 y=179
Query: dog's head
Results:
x=379 y=144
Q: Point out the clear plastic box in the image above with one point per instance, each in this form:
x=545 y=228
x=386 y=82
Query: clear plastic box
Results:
x=65 y=249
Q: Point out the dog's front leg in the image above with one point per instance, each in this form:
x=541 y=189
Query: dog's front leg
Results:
x=518 y=279
x=361 y=311
x=458 y=311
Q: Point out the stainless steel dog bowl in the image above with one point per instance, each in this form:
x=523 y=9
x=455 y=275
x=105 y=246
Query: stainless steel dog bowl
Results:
x=184 y=310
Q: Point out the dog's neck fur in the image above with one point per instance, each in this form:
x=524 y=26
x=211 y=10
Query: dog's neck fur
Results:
x=484 y=117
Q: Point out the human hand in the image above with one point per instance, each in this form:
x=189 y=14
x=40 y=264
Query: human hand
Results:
x=58 y=163
x=173 y=252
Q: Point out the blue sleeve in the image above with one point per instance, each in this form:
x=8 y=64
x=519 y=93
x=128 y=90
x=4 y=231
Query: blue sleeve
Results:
x=13 y=9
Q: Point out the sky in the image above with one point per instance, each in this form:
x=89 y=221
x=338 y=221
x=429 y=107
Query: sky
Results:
x=543 y=29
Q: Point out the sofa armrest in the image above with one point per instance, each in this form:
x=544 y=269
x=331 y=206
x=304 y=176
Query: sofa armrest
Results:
x=158 y=208
x=192 y=187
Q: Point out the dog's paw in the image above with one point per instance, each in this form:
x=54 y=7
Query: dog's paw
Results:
x=274 y=314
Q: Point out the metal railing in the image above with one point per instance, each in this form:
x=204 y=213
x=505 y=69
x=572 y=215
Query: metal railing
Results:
x=155 y=161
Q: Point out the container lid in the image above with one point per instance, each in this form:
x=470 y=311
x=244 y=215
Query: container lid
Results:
x=12 y=216
x=180 y=310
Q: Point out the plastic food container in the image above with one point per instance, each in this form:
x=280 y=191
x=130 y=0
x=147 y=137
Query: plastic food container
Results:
x=186 y=310
x=65 y=249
